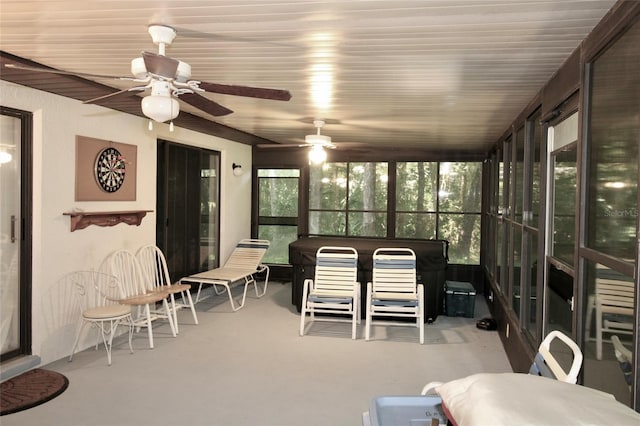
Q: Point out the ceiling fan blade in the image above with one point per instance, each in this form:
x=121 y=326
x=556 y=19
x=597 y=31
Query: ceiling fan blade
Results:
x=54 y=71
x=250 y=92
x=204 y=104
x=281 y=145
x=358 y=146
x=162 y=66
x=127 y=92
x=186 y=32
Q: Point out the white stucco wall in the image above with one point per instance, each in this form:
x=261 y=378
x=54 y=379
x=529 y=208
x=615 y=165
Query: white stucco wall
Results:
x=56 y=250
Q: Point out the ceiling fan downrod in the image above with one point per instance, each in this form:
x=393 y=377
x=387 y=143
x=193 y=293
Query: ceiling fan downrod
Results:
x=162 y=35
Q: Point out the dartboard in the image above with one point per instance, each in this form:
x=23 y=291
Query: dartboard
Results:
x=110 y=169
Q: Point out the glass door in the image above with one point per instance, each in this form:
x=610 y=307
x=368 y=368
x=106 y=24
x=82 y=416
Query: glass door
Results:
x=188 y=214
x=15 y=240
x=278 y=211
x=561 y=225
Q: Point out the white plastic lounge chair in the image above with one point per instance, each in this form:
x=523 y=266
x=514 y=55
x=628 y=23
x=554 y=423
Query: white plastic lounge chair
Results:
x=334 y=288
x=393 y=291
x=241 y=267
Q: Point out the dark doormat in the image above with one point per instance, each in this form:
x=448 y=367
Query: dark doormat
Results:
x=29 y=389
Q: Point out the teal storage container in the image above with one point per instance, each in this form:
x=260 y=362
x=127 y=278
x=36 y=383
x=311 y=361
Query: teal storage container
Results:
x=460 y=299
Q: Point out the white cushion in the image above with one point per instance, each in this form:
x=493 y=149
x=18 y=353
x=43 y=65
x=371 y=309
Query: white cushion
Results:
x=523 y=399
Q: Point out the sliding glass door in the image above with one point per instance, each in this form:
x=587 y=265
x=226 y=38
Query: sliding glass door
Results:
x=561 y=225
x=278 y=197
x=15 y=233
x=188 y=200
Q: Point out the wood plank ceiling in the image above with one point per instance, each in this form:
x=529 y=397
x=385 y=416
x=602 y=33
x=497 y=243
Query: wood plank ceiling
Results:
x=416 y=74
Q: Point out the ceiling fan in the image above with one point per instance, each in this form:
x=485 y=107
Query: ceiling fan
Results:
x=317 y=140
x=169 y=79
x=318 y=143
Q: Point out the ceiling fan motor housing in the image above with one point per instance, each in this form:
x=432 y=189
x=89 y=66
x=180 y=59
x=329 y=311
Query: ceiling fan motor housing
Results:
x=139 y=70
x=321 y=140
x=162 y=35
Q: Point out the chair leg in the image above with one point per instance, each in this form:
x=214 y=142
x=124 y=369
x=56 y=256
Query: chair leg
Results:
x=264 y=288
x=421 y=315
x=198 y=294
x=358 y=304
x=147 y=311
x=174 y=312
x=367 y=332
x=167 y=311
x=139 y=310
x=130 y=322
x=113 y=325
x=266 y=283
x=244 y=296
x=354 y=320
x=598 y=334
x=303 y=314
x=191 y=306
x=303 y=308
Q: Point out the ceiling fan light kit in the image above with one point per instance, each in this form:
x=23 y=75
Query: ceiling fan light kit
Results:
x=317 y=155
x=160 y=106
x=5 y=157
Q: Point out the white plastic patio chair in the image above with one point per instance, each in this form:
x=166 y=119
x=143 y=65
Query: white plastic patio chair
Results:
x=153 y=266
x=95 y=293
x=334 y=289
x=393 y=291
x=241 y=267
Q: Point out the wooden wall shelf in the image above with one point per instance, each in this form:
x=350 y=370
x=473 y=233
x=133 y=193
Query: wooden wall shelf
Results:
x=80 y=220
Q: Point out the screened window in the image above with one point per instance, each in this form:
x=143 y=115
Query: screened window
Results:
x=613 y=165
x=348 y=199
x=536 y=178
x=278 y=211
x=433 y=200
x=416 y=199
x=518 y=174
x=459 y=204
x=441 y=200
x=563 y=164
